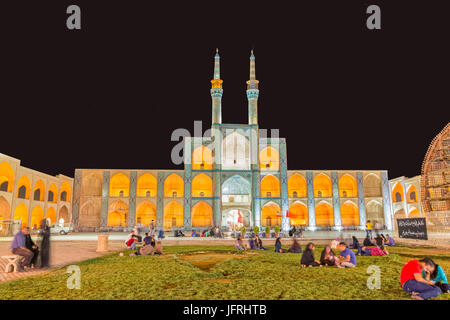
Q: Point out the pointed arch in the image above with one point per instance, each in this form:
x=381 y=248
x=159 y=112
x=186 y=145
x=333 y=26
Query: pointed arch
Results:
x=119 y=185
x=375 y=212
x=66 y=191
x=298 y=214
x=235 y=152
x=6 y=177
x=347 y=186
x=39 y=191
x=174 y=186
x=21 y=213
x=349 y=214
x=202 y=186
x=92 y=185
x=118 y=214
x=202 y=158
x=270 y=186
x=5 y=209
x=146 y=212
x=173 y=215
x=269 y=159
x=146 y=186
x=37 y=215
x=271 y=215
x=297 y=186
x=64 y=214
x=372 y=186
x=236 y=185
x=411 y=194
x=324 y=214
x=322 y=186
x=23 y=188
x=397 y=193
x=202 y=215
x=413 y=213
x=51 y=215
x=52 y=196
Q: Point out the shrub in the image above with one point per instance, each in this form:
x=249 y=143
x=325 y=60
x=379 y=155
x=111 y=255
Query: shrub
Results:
x=277 y=229
x=243 y=231
x=256 y=229
x=267 y=229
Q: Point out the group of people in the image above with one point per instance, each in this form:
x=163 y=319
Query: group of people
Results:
x=150 y=245
x=254 y=243
x=423 y=279
x=33 y=255
x=373 y=249
x=213 y=232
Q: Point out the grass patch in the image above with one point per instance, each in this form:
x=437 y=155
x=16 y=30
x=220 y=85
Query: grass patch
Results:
x=197 y=272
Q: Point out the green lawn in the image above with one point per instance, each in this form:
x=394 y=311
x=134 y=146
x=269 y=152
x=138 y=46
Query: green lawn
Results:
x=265 y=275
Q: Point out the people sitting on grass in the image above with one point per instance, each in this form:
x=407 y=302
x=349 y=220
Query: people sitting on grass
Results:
x=438 y=276
x=278 y=246
x=158 y=247
x=239 y=245
x=367 y=242
x=328 y=257
x=18 y=247
x=148 y=239
x=355 y=243
x=389 y=241
x=379 y=240
x=412 y=281
x=259 y=243
x=295 y=247
x=307 y=259
x=374 y=251
x=347 y=257
x=146 y=250
x=252 y=244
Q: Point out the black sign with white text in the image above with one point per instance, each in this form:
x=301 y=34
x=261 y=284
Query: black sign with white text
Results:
x=412 y=228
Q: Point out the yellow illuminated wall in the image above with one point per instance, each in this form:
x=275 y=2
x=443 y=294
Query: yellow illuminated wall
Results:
x=202 y=215
x=202 y=155
x=324 y=215
x=270 y=215
x=349 y=214
x=410 y=195
x=298 y=214
x=65 y=187
x=146 y=212
x=414 y=213
x=37 y=215
x=297 y=184
x=119 y=184
x=269 y=159
x=202 y=186
x=53 y=189
x=146 y=184
x=397 y=193
x=4 y=209
x=174 y=183
x=51 y=214
x=7 y=174
x=118 y=214
x=347 y=186
x=41 y=187
x=173 y=215
x=21 y=213
x=322 y=186
x=270 y=186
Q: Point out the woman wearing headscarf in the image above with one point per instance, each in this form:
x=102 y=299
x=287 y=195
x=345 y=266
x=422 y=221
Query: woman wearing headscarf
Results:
x=308 y=257
x=328 y=258
x=295 y=247
x=44 y=245
x=278 y=246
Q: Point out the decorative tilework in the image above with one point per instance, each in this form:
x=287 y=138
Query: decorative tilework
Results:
x=311 y=208
x=105 y=197
x=132 y=200
x=361 y=205
x=336 y=202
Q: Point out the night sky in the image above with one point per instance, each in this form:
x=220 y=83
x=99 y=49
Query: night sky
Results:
x=110 y=94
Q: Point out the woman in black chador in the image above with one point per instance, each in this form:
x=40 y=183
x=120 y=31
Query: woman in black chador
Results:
x=44 y=245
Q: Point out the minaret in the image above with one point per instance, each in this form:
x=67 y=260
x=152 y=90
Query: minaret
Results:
x=216 y=91
x=252 y=93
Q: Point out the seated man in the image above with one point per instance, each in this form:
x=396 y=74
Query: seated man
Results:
x=18 y=247
x=412 y=281
x=252 y=244
x=147 y=239
x=131 y=241
x=390 y=241
x=347 y=257
x=30 y=245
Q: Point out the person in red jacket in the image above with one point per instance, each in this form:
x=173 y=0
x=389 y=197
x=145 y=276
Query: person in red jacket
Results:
x=412 y=281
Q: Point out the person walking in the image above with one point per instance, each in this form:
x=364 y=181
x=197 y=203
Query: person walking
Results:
x=369 y=228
